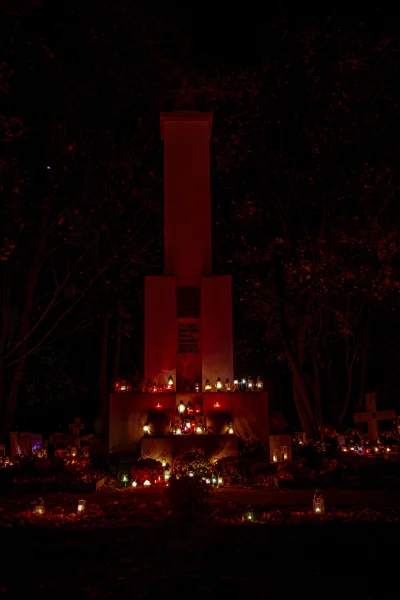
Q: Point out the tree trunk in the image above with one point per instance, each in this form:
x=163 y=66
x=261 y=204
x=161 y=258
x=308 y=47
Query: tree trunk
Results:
x=117 y=350
x=317 y=392
x=302 y=398
x=17 y=374
x=364 y=360
x=302 y=413
x=103 y=379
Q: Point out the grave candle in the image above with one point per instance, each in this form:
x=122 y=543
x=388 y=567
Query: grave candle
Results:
x=39 y=509
x=207 y=386
x=218 y=385
x=318 y=503
x=81 y=508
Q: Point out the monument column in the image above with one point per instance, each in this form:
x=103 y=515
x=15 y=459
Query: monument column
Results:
x=187 y=201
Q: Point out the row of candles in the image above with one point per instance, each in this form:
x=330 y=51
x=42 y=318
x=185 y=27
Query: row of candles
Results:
x=213 y=480
x=318 y=505
x=187 y=426
x=242 y=385
x=39 y=508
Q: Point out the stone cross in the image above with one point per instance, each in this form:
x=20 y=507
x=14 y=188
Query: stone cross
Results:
x=372 y=416
x=76 y=426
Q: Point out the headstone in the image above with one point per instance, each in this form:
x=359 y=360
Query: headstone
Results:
x=372 y=416
x=24 y=442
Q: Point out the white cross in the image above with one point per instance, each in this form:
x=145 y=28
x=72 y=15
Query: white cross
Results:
x=372 y=416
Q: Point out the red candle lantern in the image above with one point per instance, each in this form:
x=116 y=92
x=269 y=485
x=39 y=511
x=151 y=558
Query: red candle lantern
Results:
x=158 y=405
x=117 y=385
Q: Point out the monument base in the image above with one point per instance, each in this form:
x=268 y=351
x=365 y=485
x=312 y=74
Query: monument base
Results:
x=247 y=411
x=168 y=447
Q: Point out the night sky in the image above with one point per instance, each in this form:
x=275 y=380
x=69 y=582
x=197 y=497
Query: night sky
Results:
x=304 y=195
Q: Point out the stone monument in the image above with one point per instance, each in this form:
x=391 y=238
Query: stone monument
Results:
x=188 y=346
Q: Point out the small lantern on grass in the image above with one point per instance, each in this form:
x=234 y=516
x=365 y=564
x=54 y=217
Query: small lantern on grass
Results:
x=318 y=503
x=39 y=509
x=134 y=484
x=207 y=386
x=250 y=384
x=81 y=508
x=124 y=479
x=74 y=452
x=230 y=429
x=249 y=515
x=146 y=483
x=146 y=429
x=170 y=384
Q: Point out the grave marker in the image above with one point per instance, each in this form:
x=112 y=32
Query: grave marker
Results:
x=372 y=416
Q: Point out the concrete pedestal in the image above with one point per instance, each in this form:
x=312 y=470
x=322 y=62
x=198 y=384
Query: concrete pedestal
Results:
x=129 y=413
x=168 y=447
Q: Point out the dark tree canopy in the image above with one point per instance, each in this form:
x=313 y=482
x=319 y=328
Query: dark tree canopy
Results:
x=304 y=184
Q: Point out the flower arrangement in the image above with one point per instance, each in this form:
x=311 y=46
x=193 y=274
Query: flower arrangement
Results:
x=147 y=469
x=193 y=462
x=229 y=468
x=252 y=446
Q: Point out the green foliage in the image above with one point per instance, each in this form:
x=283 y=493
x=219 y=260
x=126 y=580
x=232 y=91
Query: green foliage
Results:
x=194 y=462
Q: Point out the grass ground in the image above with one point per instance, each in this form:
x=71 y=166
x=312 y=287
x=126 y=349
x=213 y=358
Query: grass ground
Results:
x=150 y=558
